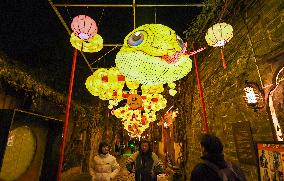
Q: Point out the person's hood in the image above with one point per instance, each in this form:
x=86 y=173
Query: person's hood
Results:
x=217 y=159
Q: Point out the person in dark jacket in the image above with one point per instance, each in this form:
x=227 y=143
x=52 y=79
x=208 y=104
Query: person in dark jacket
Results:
x=145 y=163
x=213 y=166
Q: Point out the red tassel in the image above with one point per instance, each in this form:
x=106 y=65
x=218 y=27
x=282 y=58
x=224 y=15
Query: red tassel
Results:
x=223 y=59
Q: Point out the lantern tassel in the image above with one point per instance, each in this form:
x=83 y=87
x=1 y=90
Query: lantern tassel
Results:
x=67 y=116
x=223 y=59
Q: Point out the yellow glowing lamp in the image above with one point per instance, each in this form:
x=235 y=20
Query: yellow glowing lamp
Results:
x=132 y=84
x=218 y=35
x=147 y=55
x=154 y=102
x=107 y=84
x=172 y=91
x=94 y=44
x=152 y=89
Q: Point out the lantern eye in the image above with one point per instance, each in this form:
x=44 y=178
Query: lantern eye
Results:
x=136 y=39
x=180 y=41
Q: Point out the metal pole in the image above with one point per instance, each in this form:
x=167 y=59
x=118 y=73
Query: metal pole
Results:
x=104 y=55
x=205 y=122
x=112 y=45
x=131 y=5
x=170 y=5
x=67 y=116
x=134 y=14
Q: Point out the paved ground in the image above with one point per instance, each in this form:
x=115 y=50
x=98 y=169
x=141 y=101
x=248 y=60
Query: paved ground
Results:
x=123 y=175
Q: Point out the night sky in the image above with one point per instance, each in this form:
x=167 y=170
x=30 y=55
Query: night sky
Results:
x=31 y=33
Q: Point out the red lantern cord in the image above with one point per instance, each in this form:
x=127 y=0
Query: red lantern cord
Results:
x=223 y=59
x=67 y=116
x=205 y=126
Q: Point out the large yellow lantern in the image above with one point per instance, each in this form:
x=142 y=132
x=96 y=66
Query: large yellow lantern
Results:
x=153 y=54
x=218 y=35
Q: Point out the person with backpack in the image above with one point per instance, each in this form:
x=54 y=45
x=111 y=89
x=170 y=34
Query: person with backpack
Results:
x=144 y=163
x=213 y=166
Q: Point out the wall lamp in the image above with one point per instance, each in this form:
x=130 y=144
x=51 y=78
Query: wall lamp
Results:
x=254 y=96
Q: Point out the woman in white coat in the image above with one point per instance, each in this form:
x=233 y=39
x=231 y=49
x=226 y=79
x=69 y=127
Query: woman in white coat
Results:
x=104 y=166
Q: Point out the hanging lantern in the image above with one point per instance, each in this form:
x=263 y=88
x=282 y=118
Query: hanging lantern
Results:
x=134 y=101
x=218 y=35
x=153 y=54
x=84 y=27
x=253 y=96
x=107 y=84
x=84 y=36
x=94 y=44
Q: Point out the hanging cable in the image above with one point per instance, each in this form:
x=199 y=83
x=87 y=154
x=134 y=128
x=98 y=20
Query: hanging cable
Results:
x=155 y=16
x=253 y=52
x=104 y=55
x=134 y=14
x=101 y=17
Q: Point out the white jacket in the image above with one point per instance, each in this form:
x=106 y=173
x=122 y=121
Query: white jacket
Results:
x=104 y=167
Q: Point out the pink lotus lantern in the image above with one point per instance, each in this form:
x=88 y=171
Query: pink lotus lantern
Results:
x=84 y=27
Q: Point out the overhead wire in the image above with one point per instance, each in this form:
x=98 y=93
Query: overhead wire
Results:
x=104 y=55
x=68 y=30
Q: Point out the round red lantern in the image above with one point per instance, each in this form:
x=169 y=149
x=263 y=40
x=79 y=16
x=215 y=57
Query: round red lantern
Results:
x=84 y=27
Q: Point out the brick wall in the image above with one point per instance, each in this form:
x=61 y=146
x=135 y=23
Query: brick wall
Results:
x=258 y=34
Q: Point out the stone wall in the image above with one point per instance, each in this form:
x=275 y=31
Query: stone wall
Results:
x=258 y=34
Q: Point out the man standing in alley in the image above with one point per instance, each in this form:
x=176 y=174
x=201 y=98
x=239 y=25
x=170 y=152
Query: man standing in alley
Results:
x=144 y=163
x=104 y=166
x=213 y=166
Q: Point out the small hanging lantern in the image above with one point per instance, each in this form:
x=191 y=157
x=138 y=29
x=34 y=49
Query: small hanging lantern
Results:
x=253 y=96
x=218 y=35
x=95 y=44
x=84 y=36
x=134 y=101
x=84 y=27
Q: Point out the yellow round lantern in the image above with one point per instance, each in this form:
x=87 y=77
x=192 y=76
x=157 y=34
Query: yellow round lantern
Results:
x=107 y=84
x=218 y=35
x=94 y=44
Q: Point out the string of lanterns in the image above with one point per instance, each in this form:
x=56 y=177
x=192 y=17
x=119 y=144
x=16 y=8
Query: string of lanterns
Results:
x=152 y=55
